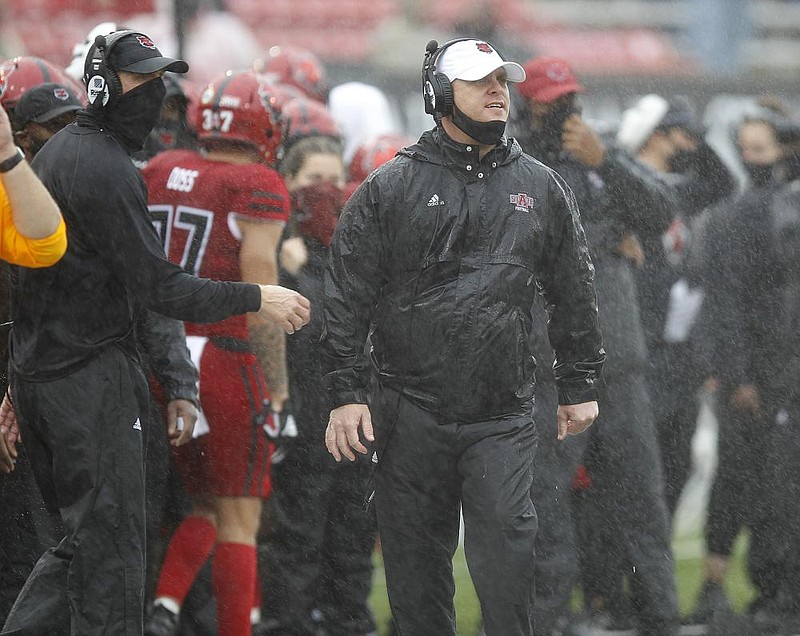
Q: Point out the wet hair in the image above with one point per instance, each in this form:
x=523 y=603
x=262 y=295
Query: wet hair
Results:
x=773 y=103
x=293 y=160
x=767 y=109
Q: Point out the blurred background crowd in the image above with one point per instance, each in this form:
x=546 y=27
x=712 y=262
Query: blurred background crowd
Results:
x=707 y=49
x=699 y=94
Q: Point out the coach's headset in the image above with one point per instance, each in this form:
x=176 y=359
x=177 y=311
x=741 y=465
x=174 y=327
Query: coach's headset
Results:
x=436 y=88
x=103 y=86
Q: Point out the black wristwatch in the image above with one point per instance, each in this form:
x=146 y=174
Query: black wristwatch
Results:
x=8 y=164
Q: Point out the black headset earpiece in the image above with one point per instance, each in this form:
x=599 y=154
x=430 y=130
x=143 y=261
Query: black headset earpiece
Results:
x=436 y=88
x=103 y=86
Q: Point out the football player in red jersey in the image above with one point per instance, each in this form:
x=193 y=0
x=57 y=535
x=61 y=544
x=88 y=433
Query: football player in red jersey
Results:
x=220 y=214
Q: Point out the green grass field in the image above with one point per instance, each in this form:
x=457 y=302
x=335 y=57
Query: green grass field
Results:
x=688 y=570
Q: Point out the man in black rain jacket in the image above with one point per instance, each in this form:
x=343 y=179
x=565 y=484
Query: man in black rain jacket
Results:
x=77 y=383
x=440 y=255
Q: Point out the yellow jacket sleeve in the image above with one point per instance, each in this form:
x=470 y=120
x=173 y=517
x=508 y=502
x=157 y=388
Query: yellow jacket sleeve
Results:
x=21 y=250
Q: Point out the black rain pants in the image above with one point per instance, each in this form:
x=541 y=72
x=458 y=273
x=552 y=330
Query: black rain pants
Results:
x=427 y=472
x=84 y=436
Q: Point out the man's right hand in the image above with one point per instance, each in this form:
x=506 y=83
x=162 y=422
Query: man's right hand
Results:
x=9 y=435
x=583 y=143
x=284 y=307
x=341 y=436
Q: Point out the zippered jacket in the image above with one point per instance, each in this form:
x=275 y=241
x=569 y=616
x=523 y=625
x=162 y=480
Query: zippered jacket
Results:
x=438 y=256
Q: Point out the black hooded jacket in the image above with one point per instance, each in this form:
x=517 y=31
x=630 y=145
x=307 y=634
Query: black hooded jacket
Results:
x=441 y=255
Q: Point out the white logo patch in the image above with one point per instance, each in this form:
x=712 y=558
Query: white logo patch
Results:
x=96 y=88
x=137 y=425
x=434 y=201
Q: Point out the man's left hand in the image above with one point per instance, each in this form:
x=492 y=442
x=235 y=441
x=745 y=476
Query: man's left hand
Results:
x=575 y=418
x=186 y=412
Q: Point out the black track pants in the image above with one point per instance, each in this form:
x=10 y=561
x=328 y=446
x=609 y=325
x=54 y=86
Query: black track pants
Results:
x=84 y=436
x=426 y=472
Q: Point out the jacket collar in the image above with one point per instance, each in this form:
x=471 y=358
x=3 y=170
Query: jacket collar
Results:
x=435 y=146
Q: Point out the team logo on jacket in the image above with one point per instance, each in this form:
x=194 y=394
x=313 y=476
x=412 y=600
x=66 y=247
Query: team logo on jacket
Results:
x=522 y=202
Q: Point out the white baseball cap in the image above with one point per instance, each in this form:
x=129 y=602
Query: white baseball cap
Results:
x=640 y=121
x=471 y=60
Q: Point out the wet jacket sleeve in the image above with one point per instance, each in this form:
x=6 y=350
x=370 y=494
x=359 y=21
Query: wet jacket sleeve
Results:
x=643 y=202
x=354 y=277
x=163 y=341
x=567 y=285
x=708 y=181
x=122 y=233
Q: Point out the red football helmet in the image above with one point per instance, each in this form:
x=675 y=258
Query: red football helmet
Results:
x=19 y=74
x=240 y=106
x=306 y=118
x=284 y=92
x=298 y=67
x=372 y=153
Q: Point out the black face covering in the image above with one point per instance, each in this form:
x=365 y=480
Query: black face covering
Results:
x=792 y=164
x=682 y=161
x=133 y=116
x=760 y=174
x=484 y=132
x=552 y=125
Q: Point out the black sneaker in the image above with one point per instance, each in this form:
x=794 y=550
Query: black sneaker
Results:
x=712 y=605
x=161 y=622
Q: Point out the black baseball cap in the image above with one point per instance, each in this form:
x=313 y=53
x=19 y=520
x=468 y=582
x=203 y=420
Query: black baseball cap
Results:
x=44 y=102
x=136 y=53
